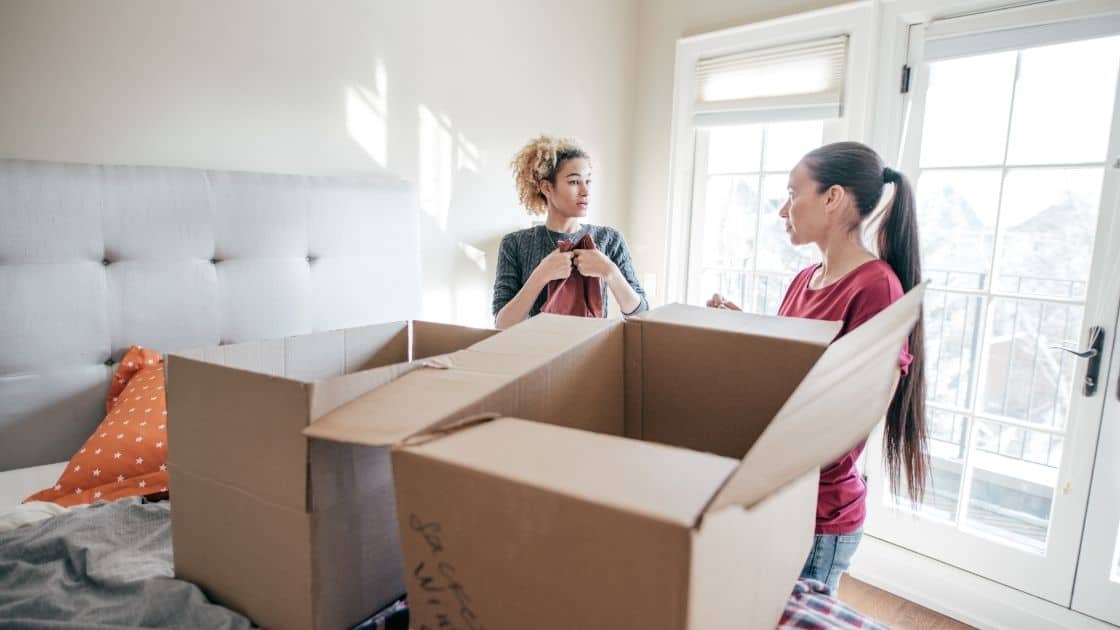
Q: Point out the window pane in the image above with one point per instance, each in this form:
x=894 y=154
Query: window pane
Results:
x=775 y=252
x=787 y=143
x=947 y=433
x=1048 y=224
x=731 y=285
x=1025 y=378
x=769 y=289
x=957 y=219
x=1011 y=494
x=730 y=215
x=967 y=107
x=1063 y=102
x=952 y=323
x=735 y=149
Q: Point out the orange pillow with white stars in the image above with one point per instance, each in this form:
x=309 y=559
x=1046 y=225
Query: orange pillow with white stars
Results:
x=127 y=455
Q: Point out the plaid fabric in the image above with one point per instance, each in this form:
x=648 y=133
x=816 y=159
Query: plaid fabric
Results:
x=812 y=607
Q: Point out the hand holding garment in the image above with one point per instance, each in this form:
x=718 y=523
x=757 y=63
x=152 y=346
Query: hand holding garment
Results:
x=576 y=295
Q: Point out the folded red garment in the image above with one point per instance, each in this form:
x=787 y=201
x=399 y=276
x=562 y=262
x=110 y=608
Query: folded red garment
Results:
x=577 y=294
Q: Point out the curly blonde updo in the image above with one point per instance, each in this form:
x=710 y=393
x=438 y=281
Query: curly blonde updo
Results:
x=537 y=162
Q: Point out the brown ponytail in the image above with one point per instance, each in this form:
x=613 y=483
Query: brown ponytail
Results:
x=857 y=168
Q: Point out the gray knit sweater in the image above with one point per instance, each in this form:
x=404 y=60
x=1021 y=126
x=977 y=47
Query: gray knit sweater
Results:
x=521 y=252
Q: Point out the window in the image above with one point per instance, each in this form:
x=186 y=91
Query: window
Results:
x=740 y=247
x=750 y=102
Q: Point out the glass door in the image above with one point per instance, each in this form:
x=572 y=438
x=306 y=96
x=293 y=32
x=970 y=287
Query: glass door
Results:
x=1009 y=151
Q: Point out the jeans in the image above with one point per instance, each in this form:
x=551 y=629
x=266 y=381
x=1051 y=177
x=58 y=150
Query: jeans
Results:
x=830 y=556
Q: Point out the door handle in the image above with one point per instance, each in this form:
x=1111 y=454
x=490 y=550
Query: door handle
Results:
x=1083 y=354
x=1093 y=354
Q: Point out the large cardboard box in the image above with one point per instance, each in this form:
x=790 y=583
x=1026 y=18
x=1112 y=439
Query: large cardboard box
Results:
x=292 y=534
x=700 y=517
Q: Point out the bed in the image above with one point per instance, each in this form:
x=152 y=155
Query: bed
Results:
x=96 y=258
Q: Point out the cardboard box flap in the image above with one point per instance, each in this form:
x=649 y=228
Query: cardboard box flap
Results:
x=544 y=334
x=662 y=482
x=431 y=339
x=735 y=381
x=406 y=406
x=807 y=331
x=836 y=406
x=389 y=414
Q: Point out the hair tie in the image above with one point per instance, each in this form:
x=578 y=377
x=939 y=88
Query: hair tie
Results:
x=890 y=175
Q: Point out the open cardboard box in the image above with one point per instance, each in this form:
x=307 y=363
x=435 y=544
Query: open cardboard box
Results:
x=292 y=534
x=668 y=481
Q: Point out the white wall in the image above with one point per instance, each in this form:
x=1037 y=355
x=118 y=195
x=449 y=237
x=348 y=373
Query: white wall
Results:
x=660 y=24
x=439 y=93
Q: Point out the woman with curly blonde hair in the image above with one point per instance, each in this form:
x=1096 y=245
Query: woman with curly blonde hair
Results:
x=553 y=178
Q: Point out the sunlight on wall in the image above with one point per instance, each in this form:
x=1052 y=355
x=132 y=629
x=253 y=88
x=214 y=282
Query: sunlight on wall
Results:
x=474 y=254
x=463 y=294
x=469 y=157
x=434 y=185
x=367 y=114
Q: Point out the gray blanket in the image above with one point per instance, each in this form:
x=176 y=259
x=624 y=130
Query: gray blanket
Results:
x=105 y=566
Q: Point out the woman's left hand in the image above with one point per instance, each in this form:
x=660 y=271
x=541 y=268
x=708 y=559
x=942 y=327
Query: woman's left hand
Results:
x=594 y=263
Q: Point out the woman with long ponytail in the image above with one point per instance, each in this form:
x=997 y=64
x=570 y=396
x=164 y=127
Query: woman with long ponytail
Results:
x=833 y=191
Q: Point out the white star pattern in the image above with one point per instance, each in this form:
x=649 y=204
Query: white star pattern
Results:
x=142 y=386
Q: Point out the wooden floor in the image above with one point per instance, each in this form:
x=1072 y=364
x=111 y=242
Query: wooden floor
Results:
x=892 y=610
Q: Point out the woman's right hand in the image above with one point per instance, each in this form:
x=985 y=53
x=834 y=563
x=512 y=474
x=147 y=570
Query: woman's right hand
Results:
x=717 y=301
x=555 y=266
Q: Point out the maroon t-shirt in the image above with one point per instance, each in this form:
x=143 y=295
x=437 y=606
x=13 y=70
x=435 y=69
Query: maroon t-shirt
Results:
x=853 y=299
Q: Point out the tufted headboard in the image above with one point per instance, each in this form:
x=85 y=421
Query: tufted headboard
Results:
x=95 y=258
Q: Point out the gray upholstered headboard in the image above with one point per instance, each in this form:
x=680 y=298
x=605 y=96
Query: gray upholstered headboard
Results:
x=94 y=259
